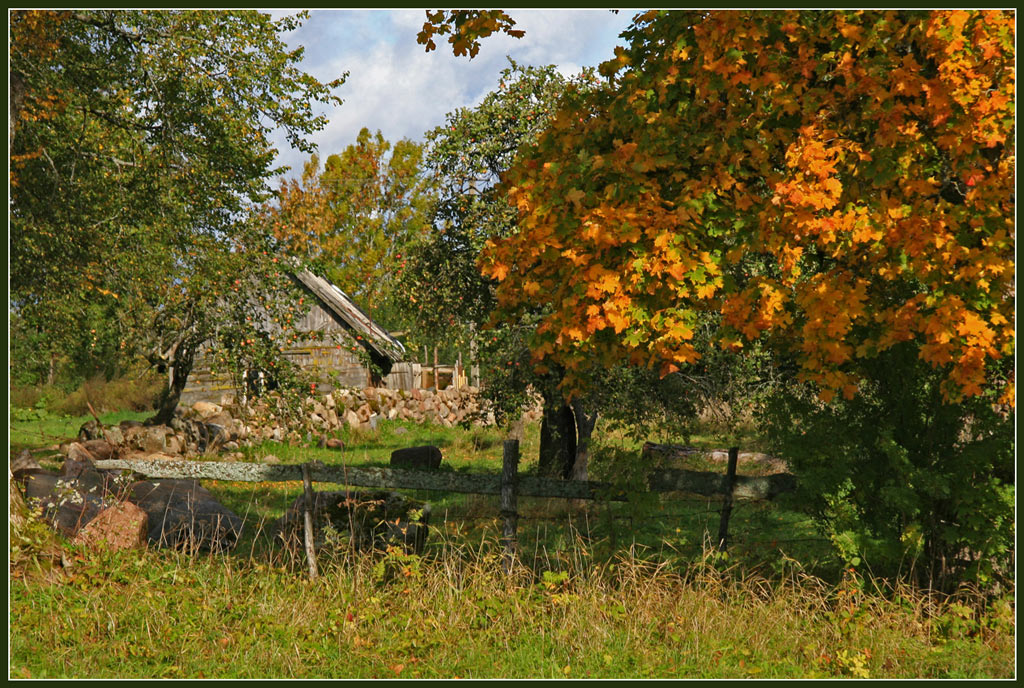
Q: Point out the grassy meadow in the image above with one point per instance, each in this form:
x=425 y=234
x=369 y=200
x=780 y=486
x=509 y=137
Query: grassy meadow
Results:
x=626 y=590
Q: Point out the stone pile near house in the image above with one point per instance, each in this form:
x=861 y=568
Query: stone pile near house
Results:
x=208 y=429
x=361 y=409
x=364 y=408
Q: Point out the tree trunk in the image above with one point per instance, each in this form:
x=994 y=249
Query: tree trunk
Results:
x=584 y=430
x=557 y=439
x=178 y=371
x=15 y=101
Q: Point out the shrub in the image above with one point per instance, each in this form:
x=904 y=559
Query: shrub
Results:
x=902 y=481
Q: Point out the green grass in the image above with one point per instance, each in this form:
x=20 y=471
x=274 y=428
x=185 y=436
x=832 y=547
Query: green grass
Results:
x=41 y=429
x=454 y=613
x=477 y=449
x=600 y=590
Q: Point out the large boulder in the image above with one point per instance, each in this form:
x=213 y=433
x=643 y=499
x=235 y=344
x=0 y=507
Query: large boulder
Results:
x=70 y=500
x=427 y=457
x=372 y=520
x=66 y=508
x=121 y=526
x=184 y=515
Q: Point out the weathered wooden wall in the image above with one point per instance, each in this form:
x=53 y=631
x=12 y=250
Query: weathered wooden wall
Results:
x=328 y=357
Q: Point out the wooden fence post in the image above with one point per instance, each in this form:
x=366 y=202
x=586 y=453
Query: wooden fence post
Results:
x=730 y=482
x=437 y=381
x=509 y=469
x=307 y=486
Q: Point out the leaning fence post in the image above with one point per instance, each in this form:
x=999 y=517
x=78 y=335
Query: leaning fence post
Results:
x=509 y=468
x=307 y=486
x=730 y=482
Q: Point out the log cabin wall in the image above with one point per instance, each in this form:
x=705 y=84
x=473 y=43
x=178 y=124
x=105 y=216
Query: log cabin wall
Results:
x=327 y=356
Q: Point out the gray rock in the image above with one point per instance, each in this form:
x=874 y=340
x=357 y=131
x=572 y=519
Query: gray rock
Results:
x=184 y=515
x=427 y=457
x=90 y=431
x=64 y=504
x=113 y=434
x=24 y=464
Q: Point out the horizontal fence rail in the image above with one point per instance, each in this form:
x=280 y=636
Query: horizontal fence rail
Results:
x=509 y=485
x=665 y=480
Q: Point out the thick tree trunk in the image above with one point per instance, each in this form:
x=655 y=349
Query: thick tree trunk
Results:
x=557 y=439
x=178 y=371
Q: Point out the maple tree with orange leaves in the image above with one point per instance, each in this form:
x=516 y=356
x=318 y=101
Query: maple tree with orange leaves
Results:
x=836 y=182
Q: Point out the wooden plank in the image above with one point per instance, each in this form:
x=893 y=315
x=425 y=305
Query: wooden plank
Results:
x=697 y=482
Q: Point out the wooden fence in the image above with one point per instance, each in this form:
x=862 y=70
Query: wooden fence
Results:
x=509 y=485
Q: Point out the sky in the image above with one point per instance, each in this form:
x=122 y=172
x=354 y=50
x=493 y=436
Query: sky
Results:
x=398 y=88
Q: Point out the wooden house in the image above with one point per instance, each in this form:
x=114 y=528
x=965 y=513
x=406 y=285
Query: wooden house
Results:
x=330 y=329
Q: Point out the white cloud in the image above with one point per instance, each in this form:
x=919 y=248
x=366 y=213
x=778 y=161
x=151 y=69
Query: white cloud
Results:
x=395 y=86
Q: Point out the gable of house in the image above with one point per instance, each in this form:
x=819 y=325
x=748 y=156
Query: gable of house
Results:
x=327 y=346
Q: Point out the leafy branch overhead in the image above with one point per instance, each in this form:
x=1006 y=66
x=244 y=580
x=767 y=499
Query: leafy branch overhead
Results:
x=140 y=141
x=833 y=182
x=466 y=27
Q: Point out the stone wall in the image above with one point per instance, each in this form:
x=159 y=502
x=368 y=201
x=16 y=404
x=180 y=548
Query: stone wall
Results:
x=358 y=408
x=365 y=408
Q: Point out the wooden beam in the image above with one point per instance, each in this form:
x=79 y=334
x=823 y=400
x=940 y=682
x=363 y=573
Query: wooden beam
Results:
x=746 y=487
x=509 y=478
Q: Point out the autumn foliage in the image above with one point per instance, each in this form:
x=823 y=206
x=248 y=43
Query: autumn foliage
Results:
x=465 y=28
x=836 y=182
x=354 y=219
